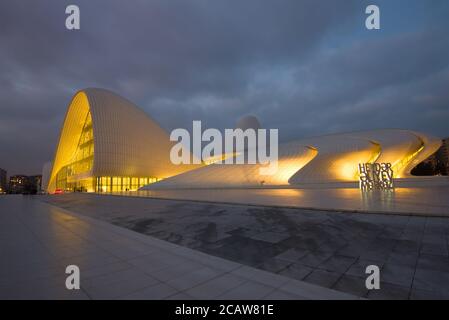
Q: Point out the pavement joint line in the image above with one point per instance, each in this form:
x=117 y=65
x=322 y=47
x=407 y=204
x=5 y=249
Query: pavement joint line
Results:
x=417 y=260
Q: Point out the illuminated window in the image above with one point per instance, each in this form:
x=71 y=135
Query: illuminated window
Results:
x=81 y=162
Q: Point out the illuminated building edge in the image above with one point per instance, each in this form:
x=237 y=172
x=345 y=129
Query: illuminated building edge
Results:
x=109 y=144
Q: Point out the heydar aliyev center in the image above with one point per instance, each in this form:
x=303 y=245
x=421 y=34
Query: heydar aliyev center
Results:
x=107 y=144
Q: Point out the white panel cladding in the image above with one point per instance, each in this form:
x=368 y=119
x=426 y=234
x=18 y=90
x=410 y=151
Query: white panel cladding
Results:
x=336 y=160
x=127 y=141
x=292 y=157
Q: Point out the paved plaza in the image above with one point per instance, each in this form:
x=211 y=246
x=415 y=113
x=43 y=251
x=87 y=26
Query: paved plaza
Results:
x=325 y=248
x=38 y=241
x=425 y=201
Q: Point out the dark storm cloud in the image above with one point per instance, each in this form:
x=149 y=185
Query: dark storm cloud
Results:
x=305 y=67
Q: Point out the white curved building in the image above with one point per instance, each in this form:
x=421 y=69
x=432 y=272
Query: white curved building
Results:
x=107 y=144
x=325 y=160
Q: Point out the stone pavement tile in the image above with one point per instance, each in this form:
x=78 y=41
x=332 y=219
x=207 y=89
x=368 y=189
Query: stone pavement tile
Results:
x=157 y=292
x=69 y=251
x=312 y=291
x=296 y=271
x=244 y=232
x=105 y=269
x=393 y=234
x=282 y=295
x=389 y=291
x=90 y=260
x=148 y=263
x=126 y=252
x=386 y=244
x=245 y=250
x=430 y=280
x=118 y=288
x=130 y=274
x=67 y=238
x=411 y=236
x=352 y=250
x=272 y=237
x=180 y=296
x=263 y=277
x=433 y=262
x=25 y=276
x=27 y=259
x=352 y=285
x=216 y=286
x=170 y=257
x=42 y=290
x=315 y=258
x=171 y=272
x=21 y=273
x=274 y=265
x=302 y=243
x=407 y=259
x=397 y=274
x=292 y=254
x=27 y=282
x=434 y=238
x=247 y=291
x=435 y=249
x=208 y=260
x=406 y=246
x=323 y=278
x=416 y=222
x=379 y=254
x=191 y=279
x=421 y=294
x=358 y=269
x=333 y=245
x=95 y=234
x=339 y=264
x=437 y=222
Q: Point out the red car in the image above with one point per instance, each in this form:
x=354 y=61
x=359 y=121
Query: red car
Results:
x=59 y=191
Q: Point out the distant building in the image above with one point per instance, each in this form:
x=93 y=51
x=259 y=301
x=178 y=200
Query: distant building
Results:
x=3 y=184
x=17 y=183
x=25 y=184
x=443 y=157
x=435 y=165
x=35 y=183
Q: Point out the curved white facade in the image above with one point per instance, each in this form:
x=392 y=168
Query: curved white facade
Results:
x=127 y=143
x=109 y=144
x=318 y=160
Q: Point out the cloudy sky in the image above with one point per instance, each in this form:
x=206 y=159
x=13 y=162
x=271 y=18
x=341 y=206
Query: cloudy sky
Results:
x=305 y=67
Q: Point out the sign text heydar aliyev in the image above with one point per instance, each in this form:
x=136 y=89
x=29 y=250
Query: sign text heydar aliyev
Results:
x=376 y=176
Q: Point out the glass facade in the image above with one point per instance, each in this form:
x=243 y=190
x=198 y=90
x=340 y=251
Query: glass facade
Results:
x=77 y=176
x=74 y=176
x=118 y=184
